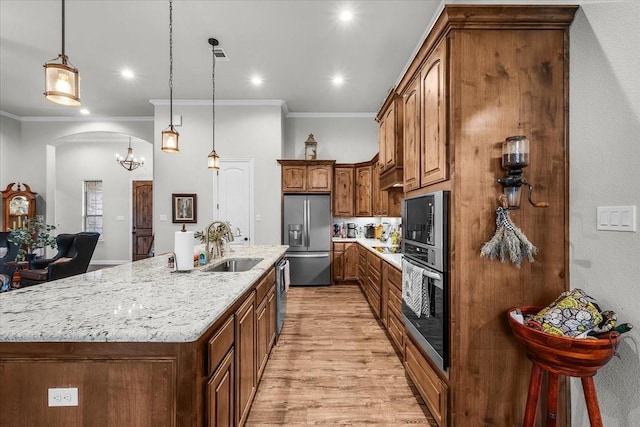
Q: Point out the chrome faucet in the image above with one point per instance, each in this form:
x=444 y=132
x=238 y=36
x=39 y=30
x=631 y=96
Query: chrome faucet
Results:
x=221 y=230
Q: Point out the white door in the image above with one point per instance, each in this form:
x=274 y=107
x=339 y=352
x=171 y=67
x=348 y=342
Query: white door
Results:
x=233 y=197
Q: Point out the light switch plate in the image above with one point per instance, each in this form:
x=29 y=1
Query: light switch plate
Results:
x=616 y=218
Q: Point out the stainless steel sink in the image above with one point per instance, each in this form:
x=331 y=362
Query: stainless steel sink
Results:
x=388 y=249
x=234 y=265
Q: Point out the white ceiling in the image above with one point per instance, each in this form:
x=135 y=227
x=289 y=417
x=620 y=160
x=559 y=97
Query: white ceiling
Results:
x=297 y=46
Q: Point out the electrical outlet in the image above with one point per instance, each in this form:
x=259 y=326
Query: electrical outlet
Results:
x=63 y=396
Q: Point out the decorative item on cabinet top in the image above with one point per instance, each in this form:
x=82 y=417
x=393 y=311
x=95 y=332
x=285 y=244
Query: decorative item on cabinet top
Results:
x=310 y=148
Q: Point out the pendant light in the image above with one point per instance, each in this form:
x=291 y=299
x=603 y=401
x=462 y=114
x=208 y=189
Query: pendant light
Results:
x=213 y=160
x=130 y=163
x=170 y=135
x=61 y=80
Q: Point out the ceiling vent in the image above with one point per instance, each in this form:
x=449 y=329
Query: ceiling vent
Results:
x=220 y=54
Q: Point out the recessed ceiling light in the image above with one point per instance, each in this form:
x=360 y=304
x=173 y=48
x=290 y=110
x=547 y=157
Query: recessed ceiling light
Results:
x=127 y=73
x=337 y=80
x=256 y=80
x=85 y=112
x=346 y=16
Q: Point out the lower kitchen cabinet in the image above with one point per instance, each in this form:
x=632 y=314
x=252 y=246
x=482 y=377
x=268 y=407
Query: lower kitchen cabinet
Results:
x=345 y=262
x=245 y=342
x=221 y=394
x=432 y=389
x=266 y=330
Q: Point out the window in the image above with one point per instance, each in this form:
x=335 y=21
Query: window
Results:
x=92 y=220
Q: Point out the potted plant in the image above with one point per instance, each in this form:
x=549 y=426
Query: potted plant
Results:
x=34 y=234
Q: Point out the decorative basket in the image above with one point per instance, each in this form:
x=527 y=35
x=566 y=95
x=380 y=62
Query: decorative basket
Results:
x=576 y=357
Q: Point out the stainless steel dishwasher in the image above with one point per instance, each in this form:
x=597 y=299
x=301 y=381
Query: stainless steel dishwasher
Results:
x=282 y=271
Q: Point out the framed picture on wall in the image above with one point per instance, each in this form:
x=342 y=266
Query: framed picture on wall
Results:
x=184 y=208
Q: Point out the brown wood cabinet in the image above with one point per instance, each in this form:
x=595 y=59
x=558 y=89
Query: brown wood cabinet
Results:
x=390 y=142
x=485 y=73
x=345 y=261
x=245 y=342
x=433 y=154
x=221 y=394
x=344 y=191
x=425 y=141
x=18 y=205
x=363 y=191
x=307 y=176
x=411 y=135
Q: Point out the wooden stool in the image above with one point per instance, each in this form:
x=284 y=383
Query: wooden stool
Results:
x=558 y=355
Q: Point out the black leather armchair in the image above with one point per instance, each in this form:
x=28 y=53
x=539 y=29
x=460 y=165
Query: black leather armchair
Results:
x=73 y=257
x=9 y=252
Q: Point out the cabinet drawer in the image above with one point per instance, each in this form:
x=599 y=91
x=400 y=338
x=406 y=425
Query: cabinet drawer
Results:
x=374 y=284
x=395 y=277
x=264 y=285
x=374 y=301
x=338 y=247
x=431 y=388
x=375 y=262
x=396 y=330
x=395 y=300
x=220 y=344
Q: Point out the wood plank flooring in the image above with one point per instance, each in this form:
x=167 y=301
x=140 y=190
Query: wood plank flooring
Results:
x=334 y=366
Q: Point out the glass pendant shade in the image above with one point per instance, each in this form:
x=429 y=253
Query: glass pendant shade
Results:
x=61 y=79
x=213 y=161
x=62 y=83
x=170 y=140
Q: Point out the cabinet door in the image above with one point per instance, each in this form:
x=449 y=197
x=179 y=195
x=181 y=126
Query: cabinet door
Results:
x=245 y=358
x=319 y=178
x=220 y=394
x=434 y=143
x=343 y=192
x=363 y=191
x=294 y=178
x=362 y=266
x=389 y=139
x=382 y=142
x=271 y=314
x=262 y=335
x=338 y=262
x=350 y=259
x=380 y=198
x=411 y=136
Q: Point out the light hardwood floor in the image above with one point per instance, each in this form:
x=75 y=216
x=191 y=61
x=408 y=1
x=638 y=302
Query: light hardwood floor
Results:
x=334 y=366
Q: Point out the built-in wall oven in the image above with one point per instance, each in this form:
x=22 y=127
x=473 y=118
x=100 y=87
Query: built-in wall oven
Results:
x=425 y=277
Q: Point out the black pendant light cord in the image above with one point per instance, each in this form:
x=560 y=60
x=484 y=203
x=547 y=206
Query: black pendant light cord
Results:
x=63 y=55
x=213 y=43
x=171 y=64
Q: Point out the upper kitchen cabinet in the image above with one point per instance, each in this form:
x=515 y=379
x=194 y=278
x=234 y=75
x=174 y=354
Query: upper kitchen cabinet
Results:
x=307 y=176
x=391 y=160
x=424 y=125
x=343 y=191
x=363 y=190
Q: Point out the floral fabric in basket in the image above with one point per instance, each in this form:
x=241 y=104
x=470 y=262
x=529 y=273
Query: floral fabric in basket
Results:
x=571 y=314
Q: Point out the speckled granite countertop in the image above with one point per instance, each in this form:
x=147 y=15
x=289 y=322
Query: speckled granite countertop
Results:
x=141 y=301
x=393 y=259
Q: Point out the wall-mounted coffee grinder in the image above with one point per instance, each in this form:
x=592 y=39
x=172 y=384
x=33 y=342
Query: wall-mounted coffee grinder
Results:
x=515 y=156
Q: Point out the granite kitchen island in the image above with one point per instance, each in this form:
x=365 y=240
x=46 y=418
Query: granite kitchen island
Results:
x=142 y=344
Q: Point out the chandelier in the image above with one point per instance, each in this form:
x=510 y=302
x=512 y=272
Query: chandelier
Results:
x=61 y=80
x=129 y=162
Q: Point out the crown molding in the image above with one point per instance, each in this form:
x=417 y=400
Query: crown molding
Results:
x=332 y=115
x=220 y=102
x=76 y=119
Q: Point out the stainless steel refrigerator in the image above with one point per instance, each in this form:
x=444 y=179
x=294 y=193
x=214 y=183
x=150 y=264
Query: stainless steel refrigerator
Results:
x=307 y=231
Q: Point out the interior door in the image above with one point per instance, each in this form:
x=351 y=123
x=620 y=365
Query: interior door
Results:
x=142 y=219
x=233 y=198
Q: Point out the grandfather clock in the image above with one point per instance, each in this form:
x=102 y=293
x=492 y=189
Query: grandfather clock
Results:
x=18 y=205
